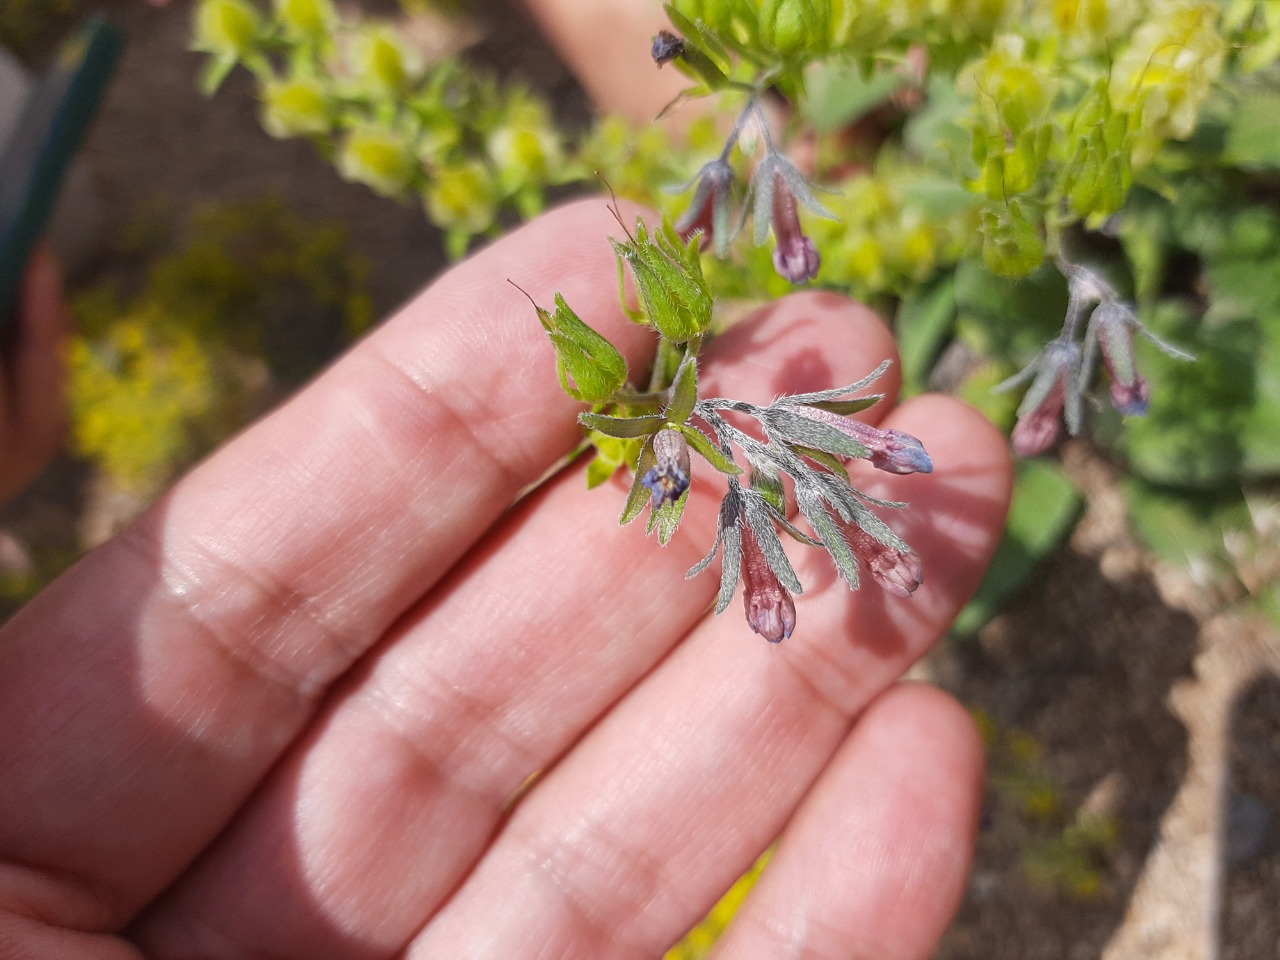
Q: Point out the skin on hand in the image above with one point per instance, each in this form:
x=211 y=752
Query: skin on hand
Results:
x=285 y=713
x=606 y=44
x=33 y=379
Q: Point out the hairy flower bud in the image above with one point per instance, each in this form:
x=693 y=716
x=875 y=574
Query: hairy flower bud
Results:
x=1055 y=390
x=895 y=569
x=668 y=479
x=1111 y=327
x=708 y=215
x=892 y=451
x=779 y=189
x=770 y=610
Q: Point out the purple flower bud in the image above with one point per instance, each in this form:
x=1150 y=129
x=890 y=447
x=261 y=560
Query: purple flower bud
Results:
x=1038 y=429
x=770 y=610
x=895 y=569
x=666 y=47
x=668 y=479
x=1111 y=327
x=708 y=215
x=780 y=188
x=892 y=451
x=795 y=257
x=1055 y=392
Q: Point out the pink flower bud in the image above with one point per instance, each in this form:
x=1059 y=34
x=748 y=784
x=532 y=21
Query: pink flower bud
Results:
x=895 y=569
x=893 y=451
x=708 y=215
x=770 y=610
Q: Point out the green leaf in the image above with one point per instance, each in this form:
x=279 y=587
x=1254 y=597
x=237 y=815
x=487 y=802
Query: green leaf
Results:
x=847 y=408
x=611 y=453
x=624 y=428
x=1044 y=511
x=1011 y=242
x=709 y=451
x=1251 y=142
x=825 y=459
x=1188 y=530
x=925 y=320
x=584 y=356
x=214 y=71
x=771 y=489
x=684 y=391
x=840 y=93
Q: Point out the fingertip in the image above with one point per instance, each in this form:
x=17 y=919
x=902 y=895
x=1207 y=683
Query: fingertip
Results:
x=875 y=861
x=929 y=716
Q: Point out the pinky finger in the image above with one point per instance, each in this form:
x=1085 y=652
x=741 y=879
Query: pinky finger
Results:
x=875 y=861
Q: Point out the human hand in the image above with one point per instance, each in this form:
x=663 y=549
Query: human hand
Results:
x=289 y=710
x=33 y=406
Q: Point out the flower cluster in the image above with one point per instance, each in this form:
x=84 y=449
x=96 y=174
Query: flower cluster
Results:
x=1062 y=372
x=809 y=438
x=776 y=192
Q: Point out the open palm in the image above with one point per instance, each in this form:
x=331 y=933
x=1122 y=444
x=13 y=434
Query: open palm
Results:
x=334 y=696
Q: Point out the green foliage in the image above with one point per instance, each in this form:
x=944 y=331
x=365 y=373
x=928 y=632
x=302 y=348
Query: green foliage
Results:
x=255 y=297
x=1044 y=510
x=467 y=148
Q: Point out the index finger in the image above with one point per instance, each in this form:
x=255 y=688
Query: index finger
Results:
x=145 y=694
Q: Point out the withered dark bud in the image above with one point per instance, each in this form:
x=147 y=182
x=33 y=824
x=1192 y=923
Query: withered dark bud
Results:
x=666 y=47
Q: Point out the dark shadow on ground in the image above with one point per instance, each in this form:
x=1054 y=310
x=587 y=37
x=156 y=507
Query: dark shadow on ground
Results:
x=1249 y=908
x=1071 y=683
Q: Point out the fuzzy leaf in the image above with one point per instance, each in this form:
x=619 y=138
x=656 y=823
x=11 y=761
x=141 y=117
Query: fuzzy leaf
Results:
x=766 y=535
x=666 y=519
x=709 y=451
x=812 y=505
x=799 y=429
x=624 y=428
x=770 y=489
x=584 y=356
x=847 y=407
x=684 y=391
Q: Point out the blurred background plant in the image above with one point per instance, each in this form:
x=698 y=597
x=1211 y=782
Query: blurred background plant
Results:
x=254 y=301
